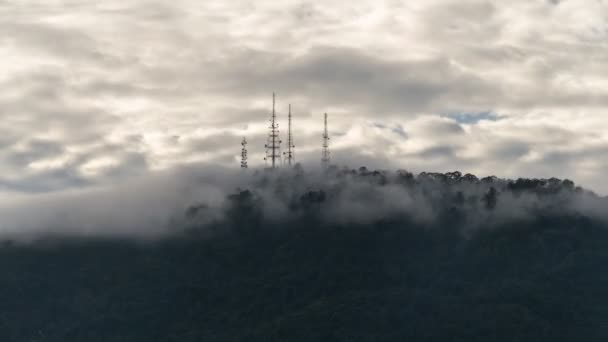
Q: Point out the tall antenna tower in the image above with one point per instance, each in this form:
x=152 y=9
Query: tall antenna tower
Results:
x=290 y=145
x=325 y=151
x=273 y=143
x=244 y=153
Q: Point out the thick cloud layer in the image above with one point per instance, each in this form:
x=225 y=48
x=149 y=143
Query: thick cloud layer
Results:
x=219 y=199
x=95 y=93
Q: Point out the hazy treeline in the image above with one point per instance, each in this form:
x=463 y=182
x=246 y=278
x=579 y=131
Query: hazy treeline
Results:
x=216 y=198
x=362 y=196
x=342 y=255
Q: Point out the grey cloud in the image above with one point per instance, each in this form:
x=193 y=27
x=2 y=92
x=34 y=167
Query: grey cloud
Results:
x=400 y=130
x=67 y=172
x=39 y=101
x=346 y=157
x=472 y=118
x=150 y=11
x=34 y=150
x=195 y=67
x=509 y=150
x=129 y=164
x=438 y=152
x=45 y=181
x=216 y=143
x=233 y=116
x=57 y=42
x=435 y=127
x=354 y=79
x=461 y=20
x=397 y=129
x=156 y=205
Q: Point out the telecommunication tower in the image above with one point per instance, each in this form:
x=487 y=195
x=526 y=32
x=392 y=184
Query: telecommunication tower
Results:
x=325 y=151
x=290 y=146
x=244 y=153
x=273 y=143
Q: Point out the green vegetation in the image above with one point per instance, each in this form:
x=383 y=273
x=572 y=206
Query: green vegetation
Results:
x=499 y=260
x=542 y=280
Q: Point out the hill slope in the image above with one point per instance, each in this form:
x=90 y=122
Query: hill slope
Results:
x=539 y=278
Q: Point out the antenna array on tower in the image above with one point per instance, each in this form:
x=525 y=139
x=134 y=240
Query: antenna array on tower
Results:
x=244 y=153
x=325 y=151
x=290 y=146
x=273 y=143
x=273 y=156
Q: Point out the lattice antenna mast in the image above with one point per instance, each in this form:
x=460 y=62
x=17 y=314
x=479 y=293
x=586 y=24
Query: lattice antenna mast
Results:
x=273 y=143
x=325 y=151
x=290 y=146
x=244 y=153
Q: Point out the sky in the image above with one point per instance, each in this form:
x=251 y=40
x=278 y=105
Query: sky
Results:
x=94 y=93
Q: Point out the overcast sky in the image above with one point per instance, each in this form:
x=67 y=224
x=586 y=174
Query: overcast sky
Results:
x=95 y=91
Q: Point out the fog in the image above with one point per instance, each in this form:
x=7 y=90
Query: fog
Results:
x=207 y=196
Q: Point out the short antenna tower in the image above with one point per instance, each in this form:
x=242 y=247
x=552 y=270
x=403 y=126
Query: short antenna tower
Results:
x=273 y=143
x=244 y=153
x=290 y=145
x=325 y=151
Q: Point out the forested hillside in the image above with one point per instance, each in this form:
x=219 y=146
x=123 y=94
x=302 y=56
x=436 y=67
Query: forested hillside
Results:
x=468 y=273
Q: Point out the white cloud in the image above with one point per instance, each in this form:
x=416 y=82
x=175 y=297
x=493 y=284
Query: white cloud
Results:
x=152 y=85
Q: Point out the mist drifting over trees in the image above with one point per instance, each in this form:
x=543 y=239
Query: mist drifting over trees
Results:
x=217 y=198
x=295 y=255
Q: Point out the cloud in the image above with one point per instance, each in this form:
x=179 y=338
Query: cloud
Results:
x=523 y=85
x=172 y=202
x=472 y=118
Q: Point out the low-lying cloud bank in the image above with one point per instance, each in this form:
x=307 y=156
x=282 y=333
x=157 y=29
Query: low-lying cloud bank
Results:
x=210 y=198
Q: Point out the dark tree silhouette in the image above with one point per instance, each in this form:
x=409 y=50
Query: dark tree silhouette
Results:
x=305 y=278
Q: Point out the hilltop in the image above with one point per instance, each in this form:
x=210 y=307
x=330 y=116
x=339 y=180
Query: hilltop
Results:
x=355 y=255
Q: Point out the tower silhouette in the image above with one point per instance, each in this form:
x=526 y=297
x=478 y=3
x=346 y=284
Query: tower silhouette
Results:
x=325 y=152
x=290 y=146
x=273 y=143
x=244 y=153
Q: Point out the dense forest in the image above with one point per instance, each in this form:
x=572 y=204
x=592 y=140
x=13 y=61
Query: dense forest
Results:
x=350 y=255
